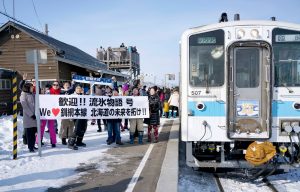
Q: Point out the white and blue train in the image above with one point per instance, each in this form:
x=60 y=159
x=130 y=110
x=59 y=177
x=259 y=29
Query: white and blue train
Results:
x=240 y=83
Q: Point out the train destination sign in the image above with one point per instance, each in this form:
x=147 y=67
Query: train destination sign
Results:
x=207 y=40
x=288 y=38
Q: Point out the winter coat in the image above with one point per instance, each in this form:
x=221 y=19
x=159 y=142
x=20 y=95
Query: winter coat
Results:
x=28 y=105
x=114 y=120
x=80 y=124
x=162 y=97
x=54 y=91
x=167 y=96
x=174 y=99
x=154 y=106
x=60 y=91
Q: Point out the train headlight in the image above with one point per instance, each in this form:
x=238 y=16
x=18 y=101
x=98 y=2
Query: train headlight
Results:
x=296 y=127
x=200 y=106
x=287 y=127
x=254 y=33
x=296 y=105
x=240 y=33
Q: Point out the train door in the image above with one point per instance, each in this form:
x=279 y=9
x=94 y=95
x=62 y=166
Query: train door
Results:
x=249 y=92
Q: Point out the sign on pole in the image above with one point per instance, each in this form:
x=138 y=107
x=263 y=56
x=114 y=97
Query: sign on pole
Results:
x=171 y=77
x=35 y=57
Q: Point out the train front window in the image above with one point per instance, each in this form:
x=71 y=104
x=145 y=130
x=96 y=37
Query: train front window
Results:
x=247 y=68
x=207 y=59
x=286 y=48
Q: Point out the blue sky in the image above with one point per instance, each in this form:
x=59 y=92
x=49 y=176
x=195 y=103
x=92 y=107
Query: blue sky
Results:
x=154 y=27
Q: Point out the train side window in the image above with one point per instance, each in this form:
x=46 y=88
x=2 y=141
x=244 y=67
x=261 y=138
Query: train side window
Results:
x=5 y=84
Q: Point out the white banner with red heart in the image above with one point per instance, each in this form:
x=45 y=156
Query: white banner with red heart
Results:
x=93 y=107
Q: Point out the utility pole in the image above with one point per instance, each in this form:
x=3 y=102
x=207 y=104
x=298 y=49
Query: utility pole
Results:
x=14 y=9
x=166 y=75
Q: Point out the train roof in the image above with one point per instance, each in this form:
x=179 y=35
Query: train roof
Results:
x=245 y=23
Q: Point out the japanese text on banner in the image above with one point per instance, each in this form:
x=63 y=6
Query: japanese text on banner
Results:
x=93 y=107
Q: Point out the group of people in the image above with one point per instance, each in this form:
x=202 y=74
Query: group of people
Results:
x=72 y=130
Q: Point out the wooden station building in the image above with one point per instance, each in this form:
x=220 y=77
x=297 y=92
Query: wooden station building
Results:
x=63 y=59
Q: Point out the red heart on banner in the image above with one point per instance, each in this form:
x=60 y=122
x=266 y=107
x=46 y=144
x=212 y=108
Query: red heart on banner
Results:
x=55 y=111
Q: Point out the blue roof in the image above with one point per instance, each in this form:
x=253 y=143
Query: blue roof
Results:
x=69 y=52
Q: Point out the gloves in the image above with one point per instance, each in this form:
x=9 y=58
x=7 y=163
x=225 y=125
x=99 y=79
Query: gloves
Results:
x=33 y=117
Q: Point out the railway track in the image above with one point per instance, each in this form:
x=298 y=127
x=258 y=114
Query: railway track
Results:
x=221 y=188
x=270 y=185
x=218 y=182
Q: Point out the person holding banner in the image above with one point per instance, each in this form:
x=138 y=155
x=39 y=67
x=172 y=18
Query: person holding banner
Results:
x=107 y=92
x=153 y=122
x=113 y=127
x=54 y=90
x=80 y=124
x=76 y=138
x=67 y=125
x=98 y=92
x=29 y=118
x=136 y=124
x=125 y=93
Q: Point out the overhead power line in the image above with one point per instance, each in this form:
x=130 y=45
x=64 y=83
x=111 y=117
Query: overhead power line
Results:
x=36 y=14
x=3 y=2
x=18 y=21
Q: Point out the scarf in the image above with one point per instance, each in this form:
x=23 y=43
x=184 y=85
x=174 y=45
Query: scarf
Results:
x=54 y=91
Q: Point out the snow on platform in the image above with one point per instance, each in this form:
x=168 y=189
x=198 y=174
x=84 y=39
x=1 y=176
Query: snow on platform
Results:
x=56 y=166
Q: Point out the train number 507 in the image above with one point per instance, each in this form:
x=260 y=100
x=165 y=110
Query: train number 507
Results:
x=196 y=92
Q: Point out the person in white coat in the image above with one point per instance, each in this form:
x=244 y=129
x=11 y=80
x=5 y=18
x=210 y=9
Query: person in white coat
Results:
x=174 y=103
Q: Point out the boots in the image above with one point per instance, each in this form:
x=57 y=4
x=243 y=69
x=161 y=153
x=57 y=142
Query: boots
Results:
x=141 y=137
x=131 y=139
x=79 y=142
x=64 y=141
x=71 y=144
x=119 y=142
x=24 y=138
x=170 y=113
x=155 y=134
x=99 y=128
x=174 y=114
x=149 y=133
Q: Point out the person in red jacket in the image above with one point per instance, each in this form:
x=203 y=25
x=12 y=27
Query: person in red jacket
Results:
x=54 y=90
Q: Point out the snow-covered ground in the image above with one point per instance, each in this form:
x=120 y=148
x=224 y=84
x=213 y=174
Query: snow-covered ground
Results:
x=56 y=166
x=193 y=181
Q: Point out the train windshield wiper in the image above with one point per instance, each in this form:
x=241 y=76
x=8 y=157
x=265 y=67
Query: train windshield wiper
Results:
x=289 y=89
x=207 y=83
